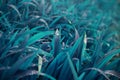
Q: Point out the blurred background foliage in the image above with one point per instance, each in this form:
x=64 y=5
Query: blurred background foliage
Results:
x=59 y=39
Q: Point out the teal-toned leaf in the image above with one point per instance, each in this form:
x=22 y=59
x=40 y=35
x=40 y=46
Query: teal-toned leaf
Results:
x=15 y=8
x=83 y=53
x=112 y=73
x=112 y=64
x=9 y=44
x=38 y=36
x=56 y=44
x=27 y=63
x=54 y=21
x=65 y=72
x=100 y=71
x=24 y=74
x=17 y=66
x=104 y=61
x=75 y=46
x=47 y=76
x=107 y=58
x=72 y=67
x=71 y=8
x=40 y=51
x=81 y=76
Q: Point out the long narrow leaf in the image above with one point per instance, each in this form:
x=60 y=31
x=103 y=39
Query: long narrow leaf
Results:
x=38 y=36
x=72 y=68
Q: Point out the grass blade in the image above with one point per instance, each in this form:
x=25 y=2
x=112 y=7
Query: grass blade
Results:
x=38 y=36
x=100 y=71
x=72 y=67
x=113 y=73
x=15 y=8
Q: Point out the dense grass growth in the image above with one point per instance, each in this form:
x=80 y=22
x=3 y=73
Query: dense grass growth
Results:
x=59 y=40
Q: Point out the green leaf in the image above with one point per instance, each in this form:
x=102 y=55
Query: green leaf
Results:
x=103 y=61
x=17 y=65
x=65 y=71
x=100 y=71
x=57 y=44
x=112 y=73
x=28 y=62
x=38 y=36
x=81 y=76
x=54 y=21
x=40 y=51
x=71 y=8
x=15 y=8
x=112 y=64
x=83 y=53
x=72 y=67
x=47 y=76
x=75 y=46
x=9 y=44
x=107 y=58
x=24 y=74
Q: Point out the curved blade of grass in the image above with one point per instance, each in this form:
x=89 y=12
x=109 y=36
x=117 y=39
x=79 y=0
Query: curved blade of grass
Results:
x=100 y=71
x=30 y=3
x=104 y=61
x=112 y=73
x=107 y=57
x=8 y=45
x=27 y=32
x=41 y=52
x=45 y=22
x=4 y=68
x=112 y=64
x=38 y=36
x=54 y=21
x=16 y=66
x=27 y=63
x=15 y=8
x=24 y=74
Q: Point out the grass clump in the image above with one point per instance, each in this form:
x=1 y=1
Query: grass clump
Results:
x=59 y=40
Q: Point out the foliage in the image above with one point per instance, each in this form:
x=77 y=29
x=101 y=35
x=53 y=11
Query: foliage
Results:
x=59 y=40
